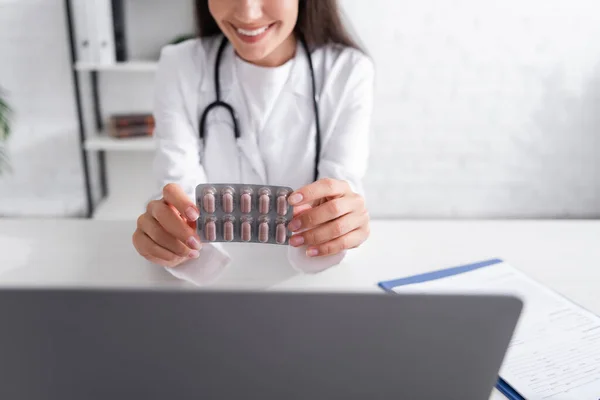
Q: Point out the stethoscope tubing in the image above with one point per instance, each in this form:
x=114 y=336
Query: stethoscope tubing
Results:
x=236 y=131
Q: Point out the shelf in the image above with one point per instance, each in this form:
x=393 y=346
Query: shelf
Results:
x=131 y=66
x=104 y=142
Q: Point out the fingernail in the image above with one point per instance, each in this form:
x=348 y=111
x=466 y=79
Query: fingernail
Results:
x=312 y=252
x=295 y=198
x=294 y=225
x=191 y=213
x=297 y=240
x=194 y=254
x=194 y=243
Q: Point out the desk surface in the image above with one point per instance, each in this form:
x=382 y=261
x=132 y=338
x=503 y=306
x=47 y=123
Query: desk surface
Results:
x=564 y=255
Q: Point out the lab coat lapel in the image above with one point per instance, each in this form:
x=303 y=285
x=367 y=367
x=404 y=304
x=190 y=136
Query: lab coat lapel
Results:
x=191 y=100
x=293 y=111
x=231 y=93
x=296 y=95
x=300 y=82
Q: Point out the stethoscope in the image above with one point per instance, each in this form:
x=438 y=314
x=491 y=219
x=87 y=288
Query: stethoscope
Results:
x=236 y=130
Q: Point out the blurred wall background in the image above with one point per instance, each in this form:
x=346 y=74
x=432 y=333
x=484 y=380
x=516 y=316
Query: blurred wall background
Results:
x=484 y=108
x=35 y=72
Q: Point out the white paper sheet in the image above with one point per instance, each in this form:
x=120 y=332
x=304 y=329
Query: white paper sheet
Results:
x=555 y=351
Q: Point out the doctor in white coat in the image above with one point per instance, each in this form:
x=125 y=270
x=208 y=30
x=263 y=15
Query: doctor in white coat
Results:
x=268 y=50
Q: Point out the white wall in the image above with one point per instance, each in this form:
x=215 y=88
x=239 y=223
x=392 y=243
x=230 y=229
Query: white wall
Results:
x=34 y=68
x=485 y=108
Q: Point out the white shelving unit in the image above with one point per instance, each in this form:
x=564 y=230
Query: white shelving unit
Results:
x=125 y=162
x=103 y=142
x=129 y=180
x=131 y=66
x=123 y=173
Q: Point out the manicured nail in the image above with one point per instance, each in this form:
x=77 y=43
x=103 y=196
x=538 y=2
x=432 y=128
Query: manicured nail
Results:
x=191 y=213
x=193 y=243
x=294 y=225
x=297 y=240
x=295 y=198
x=194 y=254
x=312 y=252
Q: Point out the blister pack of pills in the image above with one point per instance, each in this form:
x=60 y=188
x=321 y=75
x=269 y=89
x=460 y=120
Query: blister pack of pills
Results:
x=244 y=213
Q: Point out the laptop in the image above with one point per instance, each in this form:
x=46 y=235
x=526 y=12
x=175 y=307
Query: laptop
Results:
x=58 y=344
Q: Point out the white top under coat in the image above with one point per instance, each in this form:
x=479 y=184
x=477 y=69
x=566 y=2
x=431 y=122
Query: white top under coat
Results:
x=261 y=87
x=283 y=151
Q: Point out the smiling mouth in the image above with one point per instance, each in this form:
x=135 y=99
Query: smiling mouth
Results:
x=253 y=35
x=253 y=32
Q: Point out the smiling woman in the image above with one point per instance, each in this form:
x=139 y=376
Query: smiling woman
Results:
x=259 y=36
x=272 y=92
x=261 y=31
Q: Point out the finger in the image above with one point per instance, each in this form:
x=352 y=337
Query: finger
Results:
x=157 y=233
x=327 y=211
x=348 y=241
x=307 y=206
x=155 y=253
x=173 y=224
x=174 y=195
x=325 y=187
x=300 y=209
x=329 y=231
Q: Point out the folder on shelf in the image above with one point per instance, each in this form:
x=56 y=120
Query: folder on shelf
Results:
x=104 y=32
x=95 y=31
x=82 y=31
x=555 y=350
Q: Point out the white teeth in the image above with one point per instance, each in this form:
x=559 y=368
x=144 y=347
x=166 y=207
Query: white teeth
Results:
x=255 y=32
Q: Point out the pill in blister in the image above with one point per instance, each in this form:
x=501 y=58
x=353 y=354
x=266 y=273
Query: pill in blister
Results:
x=228 y=231
x=246 y=231
x=246 y=203
x=280 y=233
x=211 y=231
x=228 y=203
x=263 y=232
x=282 y=206
x=209 y=203
x=263 y=204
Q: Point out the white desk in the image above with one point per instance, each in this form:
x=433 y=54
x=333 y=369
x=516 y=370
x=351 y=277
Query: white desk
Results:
x=564 y=255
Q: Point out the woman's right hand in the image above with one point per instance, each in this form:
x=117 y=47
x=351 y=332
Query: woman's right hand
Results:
x=166 y=232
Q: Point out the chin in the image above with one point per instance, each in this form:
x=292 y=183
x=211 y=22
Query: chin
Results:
x=252 y=54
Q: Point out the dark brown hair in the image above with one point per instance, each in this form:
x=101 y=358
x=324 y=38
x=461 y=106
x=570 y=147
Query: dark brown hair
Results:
x=319 y=23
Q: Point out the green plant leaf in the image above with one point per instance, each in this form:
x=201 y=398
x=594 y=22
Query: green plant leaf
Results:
x=4 y=161
x=5 y=130
x=5 y=115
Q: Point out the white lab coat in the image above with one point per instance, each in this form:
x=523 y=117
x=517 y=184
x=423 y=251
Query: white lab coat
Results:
x=185 y=86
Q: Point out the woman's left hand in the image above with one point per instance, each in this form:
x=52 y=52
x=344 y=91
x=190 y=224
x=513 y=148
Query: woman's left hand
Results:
x=329 y=217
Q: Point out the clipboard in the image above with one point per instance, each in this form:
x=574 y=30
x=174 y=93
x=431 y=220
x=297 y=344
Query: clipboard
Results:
x=502 y=386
